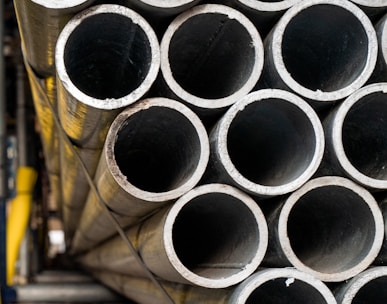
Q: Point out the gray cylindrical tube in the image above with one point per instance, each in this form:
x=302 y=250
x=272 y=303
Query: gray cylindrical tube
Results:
x=107 y=57
x=269 y=143
x=155 y=151
x=190 y=241
x=331 y=57
x=211 y=56
x=40 y=23
x=367 y=287
x=356 y=139
x=331 y=228
x=286 y=285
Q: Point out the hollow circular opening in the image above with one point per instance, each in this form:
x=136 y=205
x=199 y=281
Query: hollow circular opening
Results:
x=157 y=149
x=215 y=235
x=373 y=292
x=107 y=56
x=317 y=55
x=331 y=229
x=211 y=55
x=286 y=291
x=364 y=135
x=271 y=142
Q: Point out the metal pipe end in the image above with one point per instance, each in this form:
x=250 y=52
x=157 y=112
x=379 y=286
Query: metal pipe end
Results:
x=358 y=136
x=332 y=63
x=269 y=6
x=215 y=236
x=107 y=57
x=63 y=6
x=371 y=4
x=279 y=285
x=366 y=287
x=211 y=56
x=269 y=143
x=150 y=163
x=331 y=228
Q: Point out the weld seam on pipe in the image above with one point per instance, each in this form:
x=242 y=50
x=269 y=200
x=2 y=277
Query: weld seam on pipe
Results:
x=261 y=177
x=285 y=231
x=162 y=240
x=285 y=284
x=353 y=291
x=92 y=91
x=350 y=147
x=288 y=68
x=185 y=68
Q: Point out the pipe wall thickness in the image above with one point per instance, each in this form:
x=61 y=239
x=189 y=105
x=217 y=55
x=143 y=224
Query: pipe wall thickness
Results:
x=269 y=143
x=331 y=228
x=196 y=52
x=319 y=62
x=107 y=58
x=155 y=151
x=285 y=286
x=190 y=241
x=40 y=23
x=356 y=139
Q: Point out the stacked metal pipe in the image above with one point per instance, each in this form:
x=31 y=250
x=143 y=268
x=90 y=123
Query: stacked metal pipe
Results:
x=222 y=152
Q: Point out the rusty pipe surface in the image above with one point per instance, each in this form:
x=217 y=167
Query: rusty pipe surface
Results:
x=273 y=286
x=155 y=151
x=356 y=139
x=107 y=58
x=40 y=23
x=269 y=143
x=214 y=236
x=331 y=228
x=366 y=287
x=320 y=62
x=197 y=50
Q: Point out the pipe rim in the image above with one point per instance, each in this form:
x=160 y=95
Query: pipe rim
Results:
x=269 y=6
x=362 y=193
x=204 y=102
x=60 y=4
x=121 y=179
x=230 y=168
x=319 y=95
x=360 y=280
x=373 y=3
x=246 y=288
x=167 y=3
x=107 y=103
x=247 y=269
x=383 y=39
x=337 y=140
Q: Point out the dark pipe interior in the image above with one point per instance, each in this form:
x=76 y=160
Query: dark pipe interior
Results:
x=374 y=292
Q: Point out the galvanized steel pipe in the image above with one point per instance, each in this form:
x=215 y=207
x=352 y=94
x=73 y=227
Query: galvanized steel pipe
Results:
x=211 y=56
x=367 y=287
x=270 y=286
x=323 y=50
x=331 y=228
x=356 y=137
x=40 y=23
x=107 y=58
x=214 y=236
x=269 y=143
x=155 y=151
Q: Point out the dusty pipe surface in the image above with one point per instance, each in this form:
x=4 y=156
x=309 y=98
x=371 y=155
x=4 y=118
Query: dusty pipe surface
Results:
x=269 y=143
x=142 y=166
x=75 y=187
x=331 y=228
x=214 y=236
x=197 y=50
x=270 y=286
x=331 y=57
x=356 y=139
x=107 y=58
x=40 y=23
x=264 y=14
x=367 y=287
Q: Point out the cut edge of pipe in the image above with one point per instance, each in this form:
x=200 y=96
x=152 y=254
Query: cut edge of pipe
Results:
x=267 y=6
